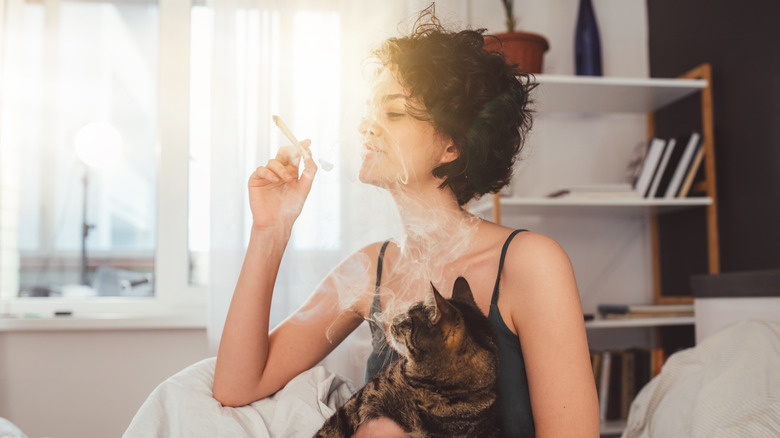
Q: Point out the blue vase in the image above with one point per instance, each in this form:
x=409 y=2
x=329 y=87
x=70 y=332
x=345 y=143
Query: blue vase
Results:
x=587 y=44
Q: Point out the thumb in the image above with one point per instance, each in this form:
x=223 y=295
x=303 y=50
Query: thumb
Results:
x=309 y=166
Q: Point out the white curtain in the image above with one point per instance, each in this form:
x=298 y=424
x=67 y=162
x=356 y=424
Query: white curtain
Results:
x=303 y=61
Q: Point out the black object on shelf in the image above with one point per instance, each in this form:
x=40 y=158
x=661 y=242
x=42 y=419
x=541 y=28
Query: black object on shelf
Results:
x=587 y=43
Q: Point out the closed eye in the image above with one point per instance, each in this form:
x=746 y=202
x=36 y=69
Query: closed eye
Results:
x=391 y=115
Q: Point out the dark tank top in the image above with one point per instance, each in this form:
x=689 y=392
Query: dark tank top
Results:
x=513 y=397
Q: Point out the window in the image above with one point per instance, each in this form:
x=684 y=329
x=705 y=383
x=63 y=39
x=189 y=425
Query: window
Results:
x=86 y=233
x=150 y=73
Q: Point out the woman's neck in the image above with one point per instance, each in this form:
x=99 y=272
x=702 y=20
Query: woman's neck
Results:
x=438 y=233
x=436 y=228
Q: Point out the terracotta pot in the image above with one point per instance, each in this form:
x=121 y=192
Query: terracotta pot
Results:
x=521 y=48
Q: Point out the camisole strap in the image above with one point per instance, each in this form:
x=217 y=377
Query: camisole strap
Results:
x=494 y=299
x=375 y=305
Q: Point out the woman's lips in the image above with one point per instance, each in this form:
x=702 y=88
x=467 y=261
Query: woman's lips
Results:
x=371 y=148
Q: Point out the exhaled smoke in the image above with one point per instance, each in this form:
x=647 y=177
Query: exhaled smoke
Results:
x=399 y=151
x=429 y=251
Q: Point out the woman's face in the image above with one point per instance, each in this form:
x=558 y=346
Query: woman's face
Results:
x=399 y=148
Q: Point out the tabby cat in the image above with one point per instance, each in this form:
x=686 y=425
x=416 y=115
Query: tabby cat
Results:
x=444 y=385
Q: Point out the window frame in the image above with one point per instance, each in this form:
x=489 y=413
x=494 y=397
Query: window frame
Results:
x=173 y=292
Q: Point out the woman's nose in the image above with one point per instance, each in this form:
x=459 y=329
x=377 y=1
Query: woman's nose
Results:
x=367 y=127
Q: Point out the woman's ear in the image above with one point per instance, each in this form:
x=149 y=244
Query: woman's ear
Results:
x=450 y=154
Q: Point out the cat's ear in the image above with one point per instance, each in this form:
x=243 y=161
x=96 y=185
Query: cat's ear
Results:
x=441 y=306
x=461 y=291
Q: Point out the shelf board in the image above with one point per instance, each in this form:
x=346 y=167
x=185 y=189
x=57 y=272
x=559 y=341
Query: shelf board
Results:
x=569 y=206
x=600 y=323
x=604 y=94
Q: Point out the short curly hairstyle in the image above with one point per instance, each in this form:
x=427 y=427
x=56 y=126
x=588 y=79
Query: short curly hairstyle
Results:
x=471 y=95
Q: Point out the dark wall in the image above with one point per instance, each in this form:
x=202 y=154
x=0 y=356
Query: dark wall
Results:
x=741 y=40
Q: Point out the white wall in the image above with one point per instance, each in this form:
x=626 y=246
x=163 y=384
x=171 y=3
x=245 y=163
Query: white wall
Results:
x=77 y=384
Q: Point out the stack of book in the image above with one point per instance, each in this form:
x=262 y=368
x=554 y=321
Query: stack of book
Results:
x=620 y=375
x=669 y=167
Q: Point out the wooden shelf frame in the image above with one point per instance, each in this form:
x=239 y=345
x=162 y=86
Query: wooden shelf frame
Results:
x=708 y=186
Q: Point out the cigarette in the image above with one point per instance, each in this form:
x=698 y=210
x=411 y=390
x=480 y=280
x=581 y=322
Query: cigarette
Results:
x=287 y=133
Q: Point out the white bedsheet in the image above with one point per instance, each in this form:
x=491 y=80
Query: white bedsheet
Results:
x=9 y=430
x=183 y=406
x=727 y=386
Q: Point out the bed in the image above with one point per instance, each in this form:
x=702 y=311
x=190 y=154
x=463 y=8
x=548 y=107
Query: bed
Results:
x=728 y=385
x=183 y=407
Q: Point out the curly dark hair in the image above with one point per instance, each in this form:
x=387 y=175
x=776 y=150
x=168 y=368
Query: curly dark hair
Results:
x=471 y=95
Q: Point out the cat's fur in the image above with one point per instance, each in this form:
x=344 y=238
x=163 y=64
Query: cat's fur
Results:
x=444 y=385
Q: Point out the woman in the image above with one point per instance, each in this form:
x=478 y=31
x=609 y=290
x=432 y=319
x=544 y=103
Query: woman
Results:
x=446 y=120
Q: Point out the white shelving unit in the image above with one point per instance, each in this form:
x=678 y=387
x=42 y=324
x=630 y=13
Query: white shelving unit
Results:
x=556 y=94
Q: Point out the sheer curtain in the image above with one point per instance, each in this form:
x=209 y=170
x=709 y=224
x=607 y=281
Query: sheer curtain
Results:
x=303 y=61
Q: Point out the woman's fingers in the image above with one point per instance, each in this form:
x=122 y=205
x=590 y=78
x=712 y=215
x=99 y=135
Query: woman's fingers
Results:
x=263 y=176
x=285 y=172
x=285 y=166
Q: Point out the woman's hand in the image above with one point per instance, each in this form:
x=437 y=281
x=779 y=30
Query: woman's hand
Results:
x=276 y=192
x=381 y=427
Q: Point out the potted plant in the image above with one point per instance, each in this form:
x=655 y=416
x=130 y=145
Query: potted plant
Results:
x=522 y=48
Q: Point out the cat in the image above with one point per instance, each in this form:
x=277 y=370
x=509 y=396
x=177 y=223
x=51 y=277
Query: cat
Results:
x=444 y=384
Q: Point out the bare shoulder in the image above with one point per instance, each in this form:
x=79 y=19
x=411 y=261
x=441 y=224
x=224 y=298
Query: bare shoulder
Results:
x=537 y=278
x=354 y=278
x=532 y=254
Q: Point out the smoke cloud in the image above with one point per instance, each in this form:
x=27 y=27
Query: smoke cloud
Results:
x=398 y=152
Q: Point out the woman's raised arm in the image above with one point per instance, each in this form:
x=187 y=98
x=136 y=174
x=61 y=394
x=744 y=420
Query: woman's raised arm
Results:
x=251 y=363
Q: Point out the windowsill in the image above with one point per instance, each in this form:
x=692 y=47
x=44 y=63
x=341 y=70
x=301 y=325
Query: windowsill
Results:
x=177 y=320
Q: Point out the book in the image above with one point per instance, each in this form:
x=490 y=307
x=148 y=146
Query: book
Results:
x=692 y=171
x=627 y=382
x=654 y=151
x=633 y=311
x=643 y=308
x=694 y=143
x=632 y=315
x=662 y=174
x=597 y=191
x=603 y=388
x=642 y=367
x=620 y=375
x=615 y=391
x=596 y=360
